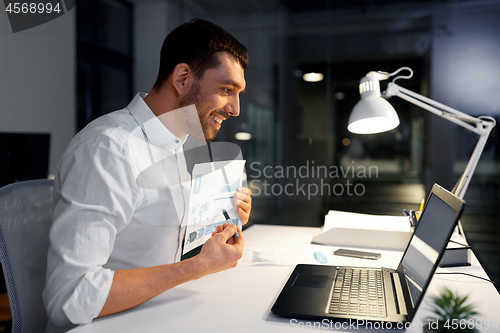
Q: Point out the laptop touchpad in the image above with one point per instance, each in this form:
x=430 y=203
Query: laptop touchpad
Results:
x=310 y=281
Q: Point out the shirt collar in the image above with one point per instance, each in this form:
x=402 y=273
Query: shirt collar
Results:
x=152 y=127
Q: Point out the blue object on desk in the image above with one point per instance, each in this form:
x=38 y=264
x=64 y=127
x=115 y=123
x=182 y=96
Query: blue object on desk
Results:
x=320 y=257
x=412 y=217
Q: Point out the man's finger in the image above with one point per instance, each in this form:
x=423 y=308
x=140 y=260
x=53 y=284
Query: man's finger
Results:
x=229 y=231
x=242 y=193
x=245 y=206
x=244 y=190
x=240 y=197
x=240 y=241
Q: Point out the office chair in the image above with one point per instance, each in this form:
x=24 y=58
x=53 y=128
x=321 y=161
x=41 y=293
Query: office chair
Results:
x=25 y=219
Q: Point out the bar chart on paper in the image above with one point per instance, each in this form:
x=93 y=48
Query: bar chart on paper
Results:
x=212 y=191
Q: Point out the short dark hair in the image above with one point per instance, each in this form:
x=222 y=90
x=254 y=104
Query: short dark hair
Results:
x=197 y=43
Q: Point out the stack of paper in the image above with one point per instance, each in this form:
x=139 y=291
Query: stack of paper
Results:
x=365 y=230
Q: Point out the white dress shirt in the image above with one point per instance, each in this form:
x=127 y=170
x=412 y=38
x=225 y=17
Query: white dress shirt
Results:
x=120 y=202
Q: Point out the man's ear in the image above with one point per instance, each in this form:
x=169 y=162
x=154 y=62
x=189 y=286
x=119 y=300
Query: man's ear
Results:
x=182 y=78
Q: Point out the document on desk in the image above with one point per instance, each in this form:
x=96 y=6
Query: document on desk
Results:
x=365 y=230
x=287 y=256
x=212 y=189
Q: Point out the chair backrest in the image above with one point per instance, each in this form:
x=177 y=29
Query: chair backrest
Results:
x=25 y=219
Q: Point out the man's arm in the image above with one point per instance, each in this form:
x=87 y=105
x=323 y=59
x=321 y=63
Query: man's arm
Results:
x=132 y=287
x=95 y=194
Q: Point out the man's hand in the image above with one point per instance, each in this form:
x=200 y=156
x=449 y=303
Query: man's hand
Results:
x=132 y=287
x=222 y=251
x=243 y=201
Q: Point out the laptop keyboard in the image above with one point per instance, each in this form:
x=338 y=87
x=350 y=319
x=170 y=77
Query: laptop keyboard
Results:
x=358 y=292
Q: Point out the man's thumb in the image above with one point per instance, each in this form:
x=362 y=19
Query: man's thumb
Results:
x=229 y=231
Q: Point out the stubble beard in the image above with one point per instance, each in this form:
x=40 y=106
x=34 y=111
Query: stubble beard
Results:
x=193 y=97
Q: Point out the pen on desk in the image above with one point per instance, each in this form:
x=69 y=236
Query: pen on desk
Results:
x=421 y=209
x=422 y=204
x=413 y=218
x=228 y=219
x=408 y=214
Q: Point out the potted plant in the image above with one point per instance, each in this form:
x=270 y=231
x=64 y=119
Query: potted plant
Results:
x=453 y=314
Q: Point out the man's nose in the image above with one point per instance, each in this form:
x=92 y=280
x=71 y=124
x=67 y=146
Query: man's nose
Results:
x=233 y=107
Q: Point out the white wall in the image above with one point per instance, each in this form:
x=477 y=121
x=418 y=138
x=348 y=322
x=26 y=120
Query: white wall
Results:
x=37 y=81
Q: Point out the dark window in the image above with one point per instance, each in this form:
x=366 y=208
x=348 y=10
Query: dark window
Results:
x=104 y=58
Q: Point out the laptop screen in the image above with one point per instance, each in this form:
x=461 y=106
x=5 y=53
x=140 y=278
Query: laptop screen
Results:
x=431 y=236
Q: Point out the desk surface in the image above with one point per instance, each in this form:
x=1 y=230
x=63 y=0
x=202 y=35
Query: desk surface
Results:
x=240 y=299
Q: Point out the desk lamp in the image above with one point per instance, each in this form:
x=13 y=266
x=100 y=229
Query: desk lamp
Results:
x=373 y=114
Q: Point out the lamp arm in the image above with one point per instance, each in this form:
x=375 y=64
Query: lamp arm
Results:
x=483 y=127
x=464 y=180
x=458 y=117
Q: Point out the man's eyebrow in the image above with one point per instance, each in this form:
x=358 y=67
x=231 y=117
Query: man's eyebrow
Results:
x=234 y=84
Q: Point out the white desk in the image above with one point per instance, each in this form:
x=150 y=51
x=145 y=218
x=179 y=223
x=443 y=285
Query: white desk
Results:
x=240 y=299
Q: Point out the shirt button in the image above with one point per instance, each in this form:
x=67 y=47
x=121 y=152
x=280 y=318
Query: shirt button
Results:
x=177 y=141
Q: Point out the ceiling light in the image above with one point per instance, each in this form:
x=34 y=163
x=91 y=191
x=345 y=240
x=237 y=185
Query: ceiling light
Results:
x=243 y=136
x=312 y=77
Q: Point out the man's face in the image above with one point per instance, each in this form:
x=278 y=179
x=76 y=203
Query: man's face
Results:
x=216 y=96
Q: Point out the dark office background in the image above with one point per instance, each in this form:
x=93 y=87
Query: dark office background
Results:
x=451 y=45
x=293 y=123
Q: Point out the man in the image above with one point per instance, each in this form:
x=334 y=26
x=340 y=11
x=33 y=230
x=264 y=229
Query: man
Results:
x=115 y=242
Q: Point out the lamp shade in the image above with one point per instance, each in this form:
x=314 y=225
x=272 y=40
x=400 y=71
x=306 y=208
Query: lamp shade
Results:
x=372 y=114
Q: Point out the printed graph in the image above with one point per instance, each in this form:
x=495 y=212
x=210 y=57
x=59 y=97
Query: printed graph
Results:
x=230 y=187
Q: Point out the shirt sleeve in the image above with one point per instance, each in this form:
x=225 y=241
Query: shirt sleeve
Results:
x=95 y=195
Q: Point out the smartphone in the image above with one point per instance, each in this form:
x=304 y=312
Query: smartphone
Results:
x=357 y=254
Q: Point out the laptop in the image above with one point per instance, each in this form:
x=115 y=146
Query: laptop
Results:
x=376 y=294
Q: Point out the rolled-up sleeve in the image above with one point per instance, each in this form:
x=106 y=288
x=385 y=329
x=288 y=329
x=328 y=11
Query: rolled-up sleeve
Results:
x=95 y=195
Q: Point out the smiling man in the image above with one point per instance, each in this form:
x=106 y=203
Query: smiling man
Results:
x=215 y=94
x=116 y=243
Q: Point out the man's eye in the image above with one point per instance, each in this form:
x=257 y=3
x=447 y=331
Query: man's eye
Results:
x=227 y=91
